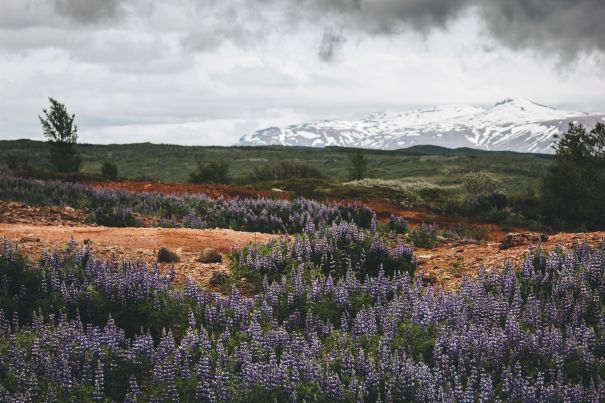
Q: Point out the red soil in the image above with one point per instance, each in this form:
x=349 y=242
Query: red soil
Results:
x=136 y=243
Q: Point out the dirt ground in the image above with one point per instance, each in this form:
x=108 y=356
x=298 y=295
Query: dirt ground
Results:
x=36 y=228
x=19 y=213
x=445 y=264
x=136 y=243
x=448 y=263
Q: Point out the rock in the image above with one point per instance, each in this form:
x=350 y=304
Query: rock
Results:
x=423 y=258
x=513 y=239
x=429 y=278
x=210 y=255
x=165 y=255
x=26 y=239
x=218 y=278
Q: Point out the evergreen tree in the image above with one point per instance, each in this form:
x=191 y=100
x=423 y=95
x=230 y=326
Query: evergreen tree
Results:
x=573 y=188
x=62 y=134
x=359 y=165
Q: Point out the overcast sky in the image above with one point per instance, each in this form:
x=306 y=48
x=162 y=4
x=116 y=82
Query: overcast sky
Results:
x=209 y=71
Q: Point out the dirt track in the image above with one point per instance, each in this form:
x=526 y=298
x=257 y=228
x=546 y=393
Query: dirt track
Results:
x=136 y=243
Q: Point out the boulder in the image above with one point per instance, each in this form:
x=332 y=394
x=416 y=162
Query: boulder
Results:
x=165 y=255
x=513 y=239
x=210 y=255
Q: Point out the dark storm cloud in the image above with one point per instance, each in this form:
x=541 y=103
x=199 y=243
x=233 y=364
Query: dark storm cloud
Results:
x=556 y=27
x=564 y=27
x=87 y=11
x=330 y=44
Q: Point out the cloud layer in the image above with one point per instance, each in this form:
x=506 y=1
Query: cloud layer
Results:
x=225 y=67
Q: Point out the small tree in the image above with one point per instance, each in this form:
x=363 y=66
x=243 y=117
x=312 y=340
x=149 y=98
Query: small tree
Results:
x=358 y=168
x=109 y=170
x=62 y=135
x=573 y=188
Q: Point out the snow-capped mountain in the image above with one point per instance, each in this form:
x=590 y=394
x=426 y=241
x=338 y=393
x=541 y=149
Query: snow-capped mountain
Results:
x=512 y=124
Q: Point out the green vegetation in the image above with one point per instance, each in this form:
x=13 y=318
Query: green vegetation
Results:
x=171 y=163
x=283 y=170
x=109 y=170
x=424 y=236
x=210 y=172
x=62 y=135
x=573 y=189
x=482 y=182
x=358 y=168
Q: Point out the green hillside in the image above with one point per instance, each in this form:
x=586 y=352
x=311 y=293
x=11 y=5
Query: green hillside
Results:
x=172 y=163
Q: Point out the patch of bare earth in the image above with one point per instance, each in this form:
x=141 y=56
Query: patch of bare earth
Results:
x=137 y=243
x=448 y=263
x=18 y=213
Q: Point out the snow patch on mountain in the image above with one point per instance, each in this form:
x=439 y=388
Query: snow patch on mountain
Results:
x=511 y=124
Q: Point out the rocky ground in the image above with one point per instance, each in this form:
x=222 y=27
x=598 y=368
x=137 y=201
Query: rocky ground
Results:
x=36 y=228
x=447 y=263
x=137 y=243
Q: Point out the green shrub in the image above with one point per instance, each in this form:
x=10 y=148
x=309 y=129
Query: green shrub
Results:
x=283 y=170
x=114 y=217
x=480 y=182
x=424 y=236
x=468 y=232
x=573 y=189
x=18 y=163
x=358 y=165
x=109 y=170
x=210 y=172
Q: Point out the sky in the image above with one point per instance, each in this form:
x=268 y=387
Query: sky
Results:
x=206 y=72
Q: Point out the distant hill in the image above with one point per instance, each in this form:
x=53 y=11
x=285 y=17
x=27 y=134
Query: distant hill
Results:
x=173 y=163
x=513 y=125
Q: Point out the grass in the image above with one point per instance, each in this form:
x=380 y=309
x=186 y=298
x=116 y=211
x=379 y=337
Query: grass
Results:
x=172 y=163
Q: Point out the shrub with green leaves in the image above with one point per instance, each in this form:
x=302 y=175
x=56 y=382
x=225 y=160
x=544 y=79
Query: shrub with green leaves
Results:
x=477 y=183
x=424 y=235
x=210 y=172
x=109 y=170
x=114 y=217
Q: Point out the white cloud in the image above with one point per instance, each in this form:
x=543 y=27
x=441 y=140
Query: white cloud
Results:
x=183 y=73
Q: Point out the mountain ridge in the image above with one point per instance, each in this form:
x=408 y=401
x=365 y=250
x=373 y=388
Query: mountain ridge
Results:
x=513 y=124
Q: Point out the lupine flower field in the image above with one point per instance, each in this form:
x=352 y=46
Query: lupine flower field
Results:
x=338 y=311
x=115 y=208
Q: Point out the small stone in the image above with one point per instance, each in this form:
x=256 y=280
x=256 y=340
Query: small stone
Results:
x=513 y=239
x=210 y=255
x=429 y=278
x=218 y=278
